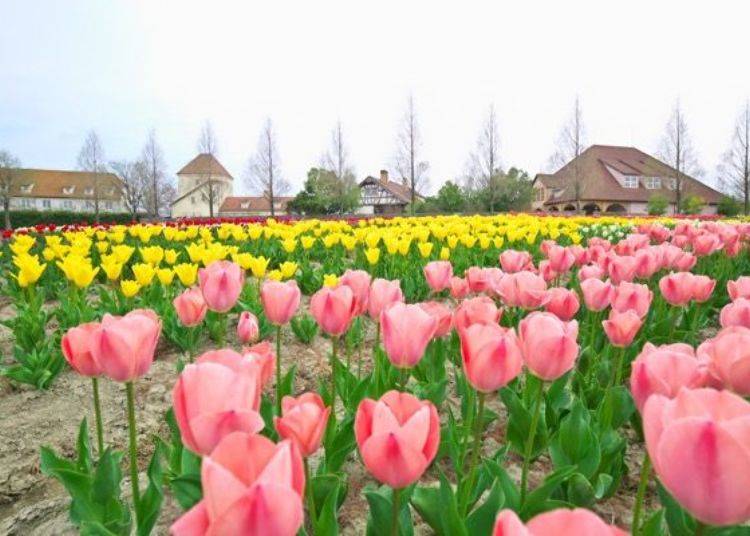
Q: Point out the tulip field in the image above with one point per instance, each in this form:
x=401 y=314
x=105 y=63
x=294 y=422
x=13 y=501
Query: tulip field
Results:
x=451 y=375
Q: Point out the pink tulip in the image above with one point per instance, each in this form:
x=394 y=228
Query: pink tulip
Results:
x=545 y=246
x=491 y=356
x=706 y=244
x=76 y=348
x=190 y=307
x=580 y=254
x=383 y=294
x=438 y=275
x=522 y=289
x=561 y=259
x=247 y=327
x=478 y=279
x=513 y=261
x=280 y=300
x=677 y=288
x=632 y=297
x=263 y=357
x=560 y=522
x=740 y=288
x=729 y=360
x=546 y=271
x=407 y=330
x=621 y=328
x=215 y=396
x=359 y=281
x=622 y=268
x=221 y=284
x=333 y=309
x=703 y=287
x=648 y=262
x=123 y=347
x=697 y=442
x=562 y=302
x=685 y=262
x=592 y=271
x=398 y=437
x=664 y=370
x=303 y=420
x=479 y=310
x=459 y=287
x=597 y=294
x=736 y=313
x=442 y=314
x=250 y=486
x=548 y=344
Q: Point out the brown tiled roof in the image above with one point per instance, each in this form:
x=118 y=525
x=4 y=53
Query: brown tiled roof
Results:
x=400 y=191
x=63 y=184
x=599 y=184
x=252 y=204
x=204 y=164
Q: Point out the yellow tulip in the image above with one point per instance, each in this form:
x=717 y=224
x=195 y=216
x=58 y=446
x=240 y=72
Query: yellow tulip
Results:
x=112 y=270
x=144 y=273
x=372 y=255
x=165 y=275
x=307 y=241
x=22 y=243
x=29 y=269
x=49 y=254
x=425 y=248
x=498 y=242
x=186 y=273
x=330 y=280
x=275 y=275
x=289 y=245
x=123 y=252
x=102 y=246
x=349 y=242
x=288 y=269
x=171 y=255
x=452 y=241
x=259 y=266
x=445 y=253
x=152 y=255
x=129 y=288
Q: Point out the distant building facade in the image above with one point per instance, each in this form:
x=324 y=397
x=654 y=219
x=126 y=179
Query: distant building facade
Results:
x=384 y=196
x=72 y=191
x=617 y=180
x=237 y=206
x=193 y=183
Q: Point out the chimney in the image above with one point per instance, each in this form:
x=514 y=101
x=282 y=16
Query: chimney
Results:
x=384 y=176
x=405 y=181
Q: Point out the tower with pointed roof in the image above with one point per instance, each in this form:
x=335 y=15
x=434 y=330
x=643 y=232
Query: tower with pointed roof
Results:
x=199 y=182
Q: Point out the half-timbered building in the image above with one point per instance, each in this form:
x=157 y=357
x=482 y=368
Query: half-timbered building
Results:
x=384 y=196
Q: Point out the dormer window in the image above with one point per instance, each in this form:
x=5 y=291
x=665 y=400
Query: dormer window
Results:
x=630 y=181
x=652 y=183
x=68 y=190
x=88 y=191
x=245 y=205
x=27 y=188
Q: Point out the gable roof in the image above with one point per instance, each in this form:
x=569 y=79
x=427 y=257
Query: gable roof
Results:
x=63 y=184
x=205 y=164
x=398 y=190
x=598 y=183
x=252 y=204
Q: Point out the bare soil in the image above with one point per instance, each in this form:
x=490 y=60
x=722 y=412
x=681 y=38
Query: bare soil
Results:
x=31 y=503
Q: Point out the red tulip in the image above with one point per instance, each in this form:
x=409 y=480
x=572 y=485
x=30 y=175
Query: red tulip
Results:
x=215 y=396
x=548 y=344
x=398 y=437
x=303 y=420
x=333 y=309
x=359 y=281
x=740 y=288
x=621 y=328
x=76 y=348
x=664 y=370
x=280 y=300
x=407 y=330
x=491 y=356
x=459 y=287
x=479 y=310
x=698 y=444
x=560 y=522
x=442 y=314
x=221 y=284
x=736 y=313
x=383 y=294
x=247 y=327
x=729 y=358
x=123 y=347
x=513 y=261
x=562 y=302
x=438 y=275
x=190 y=307
x=703 y=287
x=522 y=289
x=250 y=486
x=263 y=357
x=561 y=259
x=677 y=288
x=597 y=294
x=632 y=297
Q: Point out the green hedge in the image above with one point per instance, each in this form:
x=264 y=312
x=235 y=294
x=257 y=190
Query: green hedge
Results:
x=30 y=218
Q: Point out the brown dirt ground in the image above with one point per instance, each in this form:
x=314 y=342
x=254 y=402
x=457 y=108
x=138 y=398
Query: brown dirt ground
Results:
x=31 y=503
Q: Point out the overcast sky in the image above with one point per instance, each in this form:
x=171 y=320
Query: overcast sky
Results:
x=124 y=67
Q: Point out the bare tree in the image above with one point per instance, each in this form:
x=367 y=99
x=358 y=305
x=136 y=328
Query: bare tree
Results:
x=409 y=153
x=152 y=159
x=91 y=159
x=9 y=165
x=264 y=170
x=677 y=150
x=571 y=142
x=336 y=160
x=484 y=163
x=207 y=144
x=135 y=183
x=734 y=171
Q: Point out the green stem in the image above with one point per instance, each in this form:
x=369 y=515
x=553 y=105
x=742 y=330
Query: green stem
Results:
x=310 y=499
x=98 y=415
x=700 y=528
x=403 y=378
x=395 y=512
x=617 y=370
x=530 y=441
x=278 y=370
x=133 y=450
x=468 y=426
x=478 y=426
x=642 y=483
x=334 y=358
x=375 y=359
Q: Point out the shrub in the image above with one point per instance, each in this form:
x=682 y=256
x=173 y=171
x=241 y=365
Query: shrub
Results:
x=30 y=218
x=657 y=205
x=729 y=206
x=692 y=204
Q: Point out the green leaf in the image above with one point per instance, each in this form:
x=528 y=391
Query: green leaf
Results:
x=482 y=519
x=327 y=522
x=187 y=490
x=537 y=501
x=519 y=424
x=654 y=525
x=576 y=443
x=381 y=508
x=616 y=407
x=510 y=490
x=678 y=520
x=152 y=498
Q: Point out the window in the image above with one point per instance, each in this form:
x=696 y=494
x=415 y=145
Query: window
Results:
x=46 y=203
x=27 y=203
x=653 y=183
x=630 y=181
x=192 y=199
x=89 y=191
x=540 y=194
x=672 y=184
x=26 y=188
x=68 y=190
x=67 y=203
x=108 y=205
